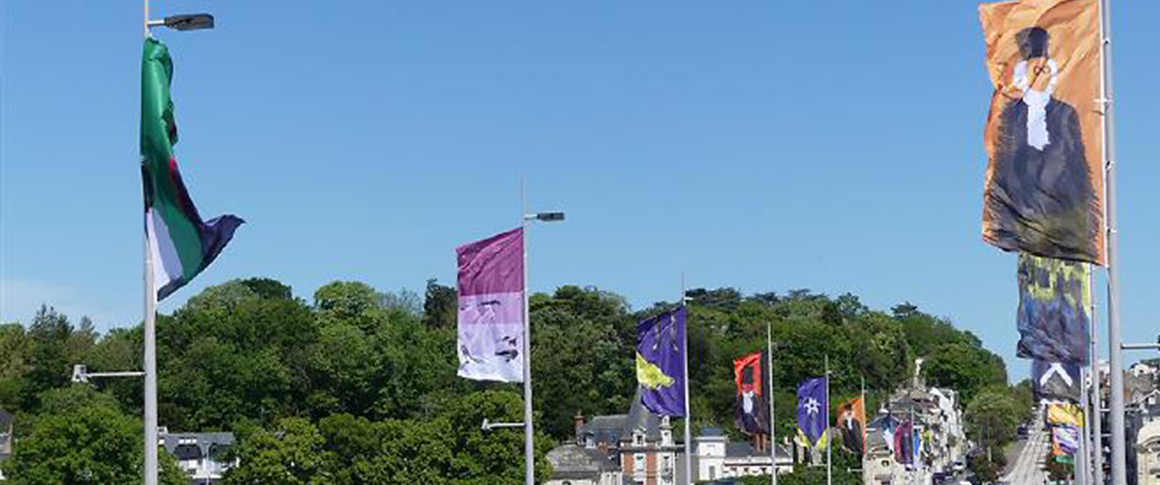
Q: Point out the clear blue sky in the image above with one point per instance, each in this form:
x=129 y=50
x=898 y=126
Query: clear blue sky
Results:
x=834 y=145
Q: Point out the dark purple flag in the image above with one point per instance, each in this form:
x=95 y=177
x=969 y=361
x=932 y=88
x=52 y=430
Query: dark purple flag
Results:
x=660 y=362
x=904 y=443
x=813 y=409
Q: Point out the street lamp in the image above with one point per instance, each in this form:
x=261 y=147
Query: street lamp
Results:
x=185 y=22
x=197 y=21
x=529 y=432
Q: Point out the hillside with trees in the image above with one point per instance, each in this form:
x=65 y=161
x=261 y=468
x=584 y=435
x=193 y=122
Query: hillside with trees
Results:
x=358 y=386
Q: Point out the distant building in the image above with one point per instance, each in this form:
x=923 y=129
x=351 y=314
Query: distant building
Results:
x=640 y=443
x=573 y=464
x=5 y=438
x=1147 y=449
x=201 y=455
x=937 y=419
x=717 y=457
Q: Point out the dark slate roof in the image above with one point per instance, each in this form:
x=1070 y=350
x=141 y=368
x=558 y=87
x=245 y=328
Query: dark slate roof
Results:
x=5 y=421
x=611 y=429
x=741 y=449
x=605 y=429
x=712 y=432
x=576 y=462
x=192 y=446
x=639 y=417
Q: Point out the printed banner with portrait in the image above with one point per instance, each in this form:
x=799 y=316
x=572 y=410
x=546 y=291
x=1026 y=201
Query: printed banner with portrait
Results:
x=1044 y=183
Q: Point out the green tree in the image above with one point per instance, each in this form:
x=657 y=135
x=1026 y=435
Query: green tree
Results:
x=964 y=367
x=991 y=418
x=293 y=455
x=440 y=305
x=81 y=438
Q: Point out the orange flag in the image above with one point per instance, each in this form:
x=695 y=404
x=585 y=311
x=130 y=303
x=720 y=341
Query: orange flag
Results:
x=852 y=422
x=1044 y=184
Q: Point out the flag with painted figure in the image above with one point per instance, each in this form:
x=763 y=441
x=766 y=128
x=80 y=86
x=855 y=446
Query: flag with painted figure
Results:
x=491 y=308
x=1044 y=179
x=852 y=422
x=888 y=426
x=660 y=362
x=1056 y=380
x=1064 y=414
x=1064 y=440
x=1054 y=316
x=751 y=409
x=904 y=448
x=812 y=412
x=181 y=245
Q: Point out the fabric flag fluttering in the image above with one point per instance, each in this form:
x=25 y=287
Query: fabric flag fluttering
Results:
x=1056 y=380
x=1064 y=440
x=812 y=411
x=852 y=422
x=904 y=443
x=180 y=244
x=888 y=426
x=1044 y=185
x=491 y=308
x=1065 y=414
x=660 y=360
x=751 y=411
x=1054 y=316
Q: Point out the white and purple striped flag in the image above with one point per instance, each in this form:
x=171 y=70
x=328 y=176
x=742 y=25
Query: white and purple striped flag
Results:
x=491 y=308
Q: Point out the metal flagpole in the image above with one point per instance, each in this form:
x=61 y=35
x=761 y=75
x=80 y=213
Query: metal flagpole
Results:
x=688 y=405
x=1096 y=416
x=829 y=438
x=529 y=429
x=1083 y=457
x=1115 y=353
x=150 y=344
x=769 y=395
x=864 y=418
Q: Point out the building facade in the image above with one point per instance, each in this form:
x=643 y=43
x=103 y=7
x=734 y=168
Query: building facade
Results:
x=201 y=455
x=718 y=458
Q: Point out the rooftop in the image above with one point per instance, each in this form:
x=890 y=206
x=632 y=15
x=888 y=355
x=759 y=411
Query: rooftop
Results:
x=575 y=462
x=193 y=446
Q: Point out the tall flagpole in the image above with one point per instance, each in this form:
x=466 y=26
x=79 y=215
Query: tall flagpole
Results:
x=150 y=344
x=688 y=406
x=1115 y=353
x=829 y=438
x=529 y=429
x=770 y=397
x=1096 y=415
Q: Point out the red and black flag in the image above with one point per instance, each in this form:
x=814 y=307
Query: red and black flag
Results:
x=1044 y=181
x=751 y=413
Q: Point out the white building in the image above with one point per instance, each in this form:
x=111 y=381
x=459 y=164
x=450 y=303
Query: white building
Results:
x=199 y=454
x=5 y=438
x=1148 y=454
x=718 y=458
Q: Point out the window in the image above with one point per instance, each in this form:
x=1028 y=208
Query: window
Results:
x=638 y=463
x=712 y=472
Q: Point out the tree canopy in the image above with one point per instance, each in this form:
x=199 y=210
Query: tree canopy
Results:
x=359 y=386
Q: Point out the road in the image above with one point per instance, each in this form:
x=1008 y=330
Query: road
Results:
x=1027 y=469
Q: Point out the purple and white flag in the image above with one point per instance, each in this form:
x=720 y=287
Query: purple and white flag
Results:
x=491 y=308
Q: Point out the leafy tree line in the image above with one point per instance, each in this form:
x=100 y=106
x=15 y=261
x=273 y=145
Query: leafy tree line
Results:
x=364 y=382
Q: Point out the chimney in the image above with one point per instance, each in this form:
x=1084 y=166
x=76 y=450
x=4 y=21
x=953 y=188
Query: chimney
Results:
x=578 y=424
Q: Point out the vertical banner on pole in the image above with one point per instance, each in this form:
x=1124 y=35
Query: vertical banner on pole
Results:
x=491 y=308
x=1044 y=192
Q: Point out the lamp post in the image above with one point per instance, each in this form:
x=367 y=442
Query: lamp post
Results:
x=199 y=21
x=526 y=218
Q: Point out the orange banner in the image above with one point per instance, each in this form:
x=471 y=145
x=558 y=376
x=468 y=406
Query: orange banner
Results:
x=1044 y=185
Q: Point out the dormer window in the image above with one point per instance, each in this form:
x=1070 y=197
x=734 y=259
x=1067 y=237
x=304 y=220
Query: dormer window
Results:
x=637 y=438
